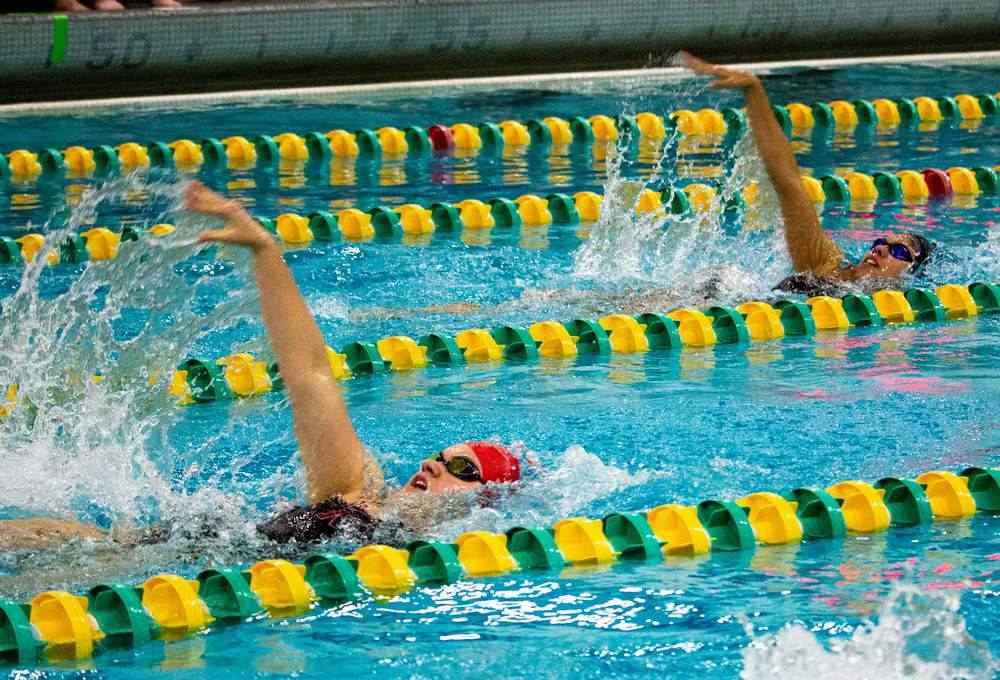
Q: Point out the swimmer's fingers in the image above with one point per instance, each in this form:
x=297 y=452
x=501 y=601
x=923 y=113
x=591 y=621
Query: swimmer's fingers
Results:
x=704 y=68
x=233 y=235
x=201 y=199
x=217 y=236
x=725 y=78
x=245 y=233
x=731 y=80
x=699 y=66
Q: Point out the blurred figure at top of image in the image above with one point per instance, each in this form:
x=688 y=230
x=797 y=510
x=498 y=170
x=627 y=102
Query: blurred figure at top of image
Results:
x=88 y=5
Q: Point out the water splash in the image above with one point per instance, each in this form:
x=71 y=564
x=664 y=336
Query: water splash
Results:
x=109 y=452
x=711 y=254
x=961 y=262
x=917 y=634
x=97 y=451
x=558 y=486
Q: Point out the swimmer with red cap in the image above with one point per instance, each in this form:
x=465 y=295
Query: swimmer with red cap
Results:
x=344 y=482
x=459 y=469
x=464 y=466
x=345 y=490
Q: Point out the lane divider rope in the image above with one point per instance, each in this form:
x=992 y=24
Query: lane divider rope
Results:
x=265 y=151
x=199 y=380
x=856 y=189
x=58 y=625
x=242 y=375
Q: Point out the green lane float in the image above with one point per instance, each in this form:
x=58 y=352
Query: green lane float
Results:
x=332 y=577
x=434 y=563
x=226 y=592
x=861 y=311
x=534 y=549
x=19 y=644
x=984 y=485
x=242 y=375
x=631 y=537
x=727 y=525
x=528 y=210
x=59 y=626
x=589 y=336
x=818 y=512
x=266 y=151
x=121 y=616
x=906 y=501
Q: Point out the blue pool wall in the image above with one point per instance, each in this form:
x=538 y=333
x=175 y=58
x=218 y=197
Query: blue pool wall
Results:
x=257 y=45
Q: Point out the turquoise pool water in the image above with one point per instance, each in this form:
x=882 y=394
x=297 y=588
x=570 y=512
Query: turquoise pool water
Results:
x=624 y=433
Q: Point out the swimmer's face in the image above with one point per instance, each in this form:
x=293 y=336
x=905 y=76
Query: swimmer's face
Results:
x=433 y=476
x=879 y=262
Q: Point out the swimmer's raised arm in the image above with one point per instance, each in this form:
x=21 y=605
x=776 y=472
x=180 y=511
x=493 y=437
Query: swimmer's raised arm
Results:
x=811 y=249
x=331 y=451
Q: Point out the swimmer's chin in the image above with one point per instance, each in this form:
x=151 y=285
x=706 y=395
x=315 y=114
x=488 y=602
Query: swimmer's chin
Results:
x=421 y=511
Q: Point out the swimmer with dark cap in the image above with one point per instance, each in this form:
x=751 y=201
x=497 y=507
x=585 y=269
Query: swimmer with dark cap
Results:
x=345 y=489
x=819 y=263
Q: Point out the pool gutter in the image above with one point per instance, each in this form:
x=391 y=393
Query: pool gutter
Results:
x=395 y=90
x=300 y=44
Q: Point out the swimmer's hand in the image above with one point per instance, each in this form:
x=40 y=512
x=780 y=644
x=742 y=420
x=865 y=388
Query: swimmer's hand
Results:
x=240 y=229
x=725 y=78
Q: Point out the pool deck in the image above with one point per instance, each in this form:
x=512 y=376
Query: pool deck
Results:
x=211 y=47
x=335 y=93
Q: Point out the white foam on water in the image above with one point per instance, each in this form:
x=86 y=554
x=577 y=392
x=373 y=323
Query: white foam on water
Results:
x=88 y=450
x=974 y=262
x=330 y=307
x=917 y=635
x=561 y=485
x=685 y=257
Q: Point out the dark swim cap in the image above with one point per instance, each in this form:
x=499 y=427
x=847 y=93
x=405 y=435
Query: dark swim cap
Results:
x=926 y=248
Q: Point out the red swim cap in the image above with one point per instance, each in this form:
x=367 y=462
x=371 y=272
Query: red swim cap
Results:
x=498 y=464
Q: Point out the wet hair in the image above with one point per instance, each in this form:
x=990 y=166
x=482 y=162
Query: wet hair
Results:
x=926 y=249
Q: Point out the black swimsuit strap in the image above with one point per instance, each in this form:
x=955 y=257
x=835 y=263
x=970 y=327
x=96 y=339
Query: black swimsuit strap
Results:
x=332 y=518
x=809 y=285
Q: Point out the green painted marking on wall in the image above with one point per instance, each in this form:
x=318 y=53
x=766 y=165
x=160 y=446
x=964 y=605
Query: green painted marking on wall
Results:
x=60 y=34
